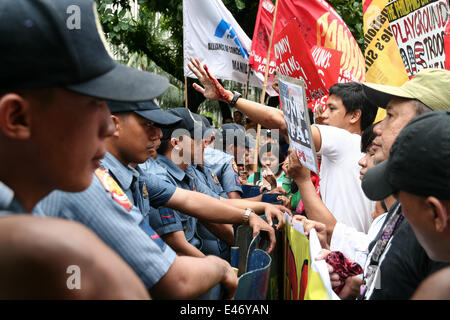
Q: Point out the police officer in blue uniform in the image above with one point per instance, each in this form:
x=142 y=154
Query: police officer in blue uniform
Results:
x=224 y=166
x=110 y=207
x=53 y=138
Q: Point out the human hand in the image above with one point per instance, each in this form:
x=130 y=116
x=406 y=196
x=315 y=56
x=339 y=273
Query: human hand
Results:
x=229 y=282
x=258 y=224
x=268 y=175
x=212 y=90
x=295 y=169
x=285 y=201
x=320 y=228
x=276 y=211
x=351 y=288
x=278 y=190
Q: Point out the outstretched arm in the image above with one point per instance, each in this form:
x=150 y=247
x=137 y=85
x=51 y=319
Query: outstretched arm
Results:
x=189 y=277
x=314 y=206
x=268 y=117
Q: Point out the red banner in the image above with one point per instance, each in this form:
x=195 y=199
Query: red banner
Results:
x=321 y=26
x=261 y=38
x=447 y=45
x=296 y=62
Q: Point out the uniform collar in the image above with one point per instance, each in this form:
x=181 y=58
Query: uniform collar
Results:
x=8 y=202
x=171 y=167
x=123 y=175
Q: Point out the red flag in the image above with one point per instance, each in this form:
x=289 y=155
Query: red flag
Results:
x=296 y=62
x=321 y=26
x=261 y=38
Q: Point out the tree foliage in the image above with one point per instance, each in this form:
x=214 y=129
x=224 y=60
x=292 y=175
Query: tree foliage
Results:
x=157 y=32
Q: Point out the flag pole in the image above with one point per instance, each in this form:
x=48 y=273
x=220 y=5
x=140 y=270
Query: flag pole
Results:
x=263 y=95
x=185 y=93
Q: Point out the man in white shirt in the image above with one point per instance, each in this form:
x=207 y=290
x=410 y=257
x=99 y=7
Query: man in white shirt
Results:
x=348 y=113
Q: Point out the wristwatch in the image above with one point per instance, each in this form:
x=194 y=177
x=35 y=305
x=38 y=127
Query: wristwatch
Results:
x=233 y=101
x=247 y=214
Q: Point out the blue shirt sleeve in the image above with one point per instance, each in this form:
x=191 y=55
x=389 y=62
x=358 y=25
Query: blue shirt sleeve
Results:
x=159 y=191
x=116 y=226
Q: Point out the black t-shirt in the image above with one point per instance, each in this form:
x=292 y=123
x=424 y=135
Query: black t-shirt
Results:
x=405 y=265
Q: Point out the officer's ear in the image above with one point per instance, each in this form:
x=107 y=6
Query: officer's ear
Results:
x=116 y=121
x=15 y=116
x=175 y=143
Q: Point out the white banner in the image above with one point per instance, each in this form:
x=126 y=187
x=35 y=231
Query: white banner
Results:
x=212 y=34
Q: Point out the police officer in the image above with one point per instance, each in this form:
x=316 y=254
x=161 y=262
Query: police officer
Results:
x=223 y=164
x=53 y=138
x=176 y=157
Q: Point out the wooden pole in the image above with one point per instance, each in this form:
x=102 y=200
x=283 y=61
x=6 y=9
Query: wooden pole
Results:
x=263 y=95
x=185 y=93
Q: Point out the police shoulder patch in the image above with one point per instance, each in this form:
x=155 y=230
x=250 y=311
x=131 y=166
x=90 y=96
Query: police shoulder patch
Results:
x=215 y=178
x=113 y=188
x=235 y=168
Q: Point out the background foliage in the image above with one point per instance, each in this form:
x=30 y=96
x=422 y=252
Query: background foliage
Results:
x=156 y=33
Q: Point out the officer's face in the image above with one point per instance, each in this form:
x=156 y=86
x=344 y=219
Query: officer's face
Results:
x=138 y=139
x=68 y=134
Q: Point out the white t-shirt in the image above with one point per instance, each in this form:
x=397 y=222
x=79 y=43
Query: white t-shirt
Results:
x=354 y=244
x=340 y=186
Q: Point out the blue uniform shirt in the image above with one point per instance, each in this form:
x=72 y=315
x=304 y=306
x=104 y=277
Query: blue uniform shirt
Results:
x=8 y=203
x=207 y=177
x=170 y=220
x=221 y=163
x=106 y=209
x=204 y=179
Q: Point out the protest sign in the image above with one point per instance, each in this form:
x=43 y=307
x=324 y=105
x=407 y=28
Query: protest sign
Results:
x=418 y=27
x=304 y=277
x=293 y=101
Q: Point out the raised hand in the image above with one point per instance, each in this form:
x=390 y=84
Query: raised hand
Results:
x=212 y=90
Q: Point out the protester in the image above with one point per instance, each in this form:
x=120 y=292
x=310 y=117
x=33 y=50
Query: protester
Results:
x=347 y=115
x=53 y=126
x=238 y=117
x=420 y=181
x=398 y=264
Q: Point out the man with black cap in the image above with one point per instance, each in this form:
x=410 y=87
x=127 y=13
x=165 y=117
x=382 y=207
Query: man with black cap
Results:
x=53 y=123
x=417 y=173
x=397 y=263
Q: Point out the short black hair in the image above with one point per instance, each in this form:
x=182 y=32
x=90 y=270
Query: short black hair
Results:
x=367 y=137
x=354 y=98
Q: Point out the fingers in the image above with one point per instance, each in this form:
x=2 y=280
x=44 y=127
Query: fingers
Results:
x=199 y=88
x=323 y=254
x=272 y=241
x=269 y=218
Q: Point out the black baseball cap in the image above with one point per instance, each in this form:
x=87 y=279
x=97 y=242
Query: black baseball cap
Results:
x=189 y=121
x=418 y=162
x=48 y=43
x=146 y=109
x=233 y=133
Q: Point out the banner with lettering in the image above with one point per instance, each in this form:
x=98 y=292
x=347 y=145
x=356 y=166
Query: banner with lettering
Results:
x=295 y=60
x=304 y=278
x=447 y=45
x=212 y=34
x=418 y=27
x=321 y=26
x=261 y=39
x=381 y=52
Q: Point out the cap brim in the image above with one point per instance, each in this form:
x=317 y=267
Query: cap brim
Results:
x=375 y=183
x=379 y=94
x=123 y=83
x=159 y=117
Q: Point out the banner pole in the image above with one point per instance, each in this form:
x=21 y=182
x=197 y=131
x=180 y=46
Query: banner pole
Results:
x=185 y=93
x=263 y=95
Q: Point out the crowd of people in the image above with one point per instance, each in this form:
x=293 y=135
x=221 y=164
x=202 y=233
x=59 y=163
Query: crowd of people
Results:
x=146 y=202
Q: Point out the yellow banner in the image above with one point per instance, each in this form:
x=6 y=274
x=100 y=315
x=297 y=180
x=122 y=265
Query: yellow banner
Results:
x=301 y=280
x=384 y=64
